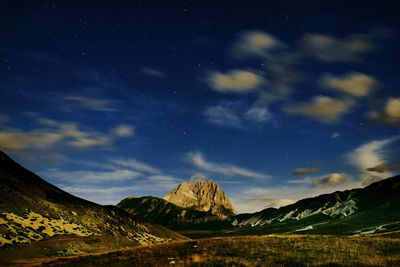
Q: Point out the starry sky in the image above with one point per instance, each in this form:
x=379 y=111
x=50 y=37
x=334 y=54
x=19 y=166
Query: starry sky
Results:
x=275 y=101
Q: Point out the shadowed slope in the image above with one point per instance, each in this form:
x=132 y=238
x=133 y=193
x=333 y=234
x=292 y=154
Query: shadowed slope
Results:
x=32 y=209
x=157 y=210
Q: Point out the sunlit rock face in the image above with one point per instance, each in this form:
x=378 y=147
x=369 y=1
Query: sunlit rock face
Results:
x=204 y=195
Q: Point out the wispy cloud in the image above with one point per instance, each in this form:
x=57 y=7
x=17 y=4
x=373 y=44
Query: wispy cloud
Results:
x=123 y=130
x=111 y=195
x=305 y=171
x=390 y=113
x=385 y=167
x=163 y=178
x=335 y=135
x=237 y=115
x=88 y=177
x=255 y=44
x=279 y=63
x=71 y=134
x=133 y=176
x=370 y=155
x=135 y=165
x=223 y=115
x=332 y=179
x=197 y=159
x=90 y=103
x=331 y=49
x=282 y=65
x=258 y=114
x=153 y=72
x=53 y=139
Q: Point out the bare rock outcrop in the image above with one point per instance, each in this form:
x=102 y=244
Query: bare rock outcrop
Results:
x=203 y=195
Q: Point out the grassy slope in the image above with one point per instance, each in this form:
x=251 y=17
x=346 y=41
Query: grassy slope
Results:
x=32 y=209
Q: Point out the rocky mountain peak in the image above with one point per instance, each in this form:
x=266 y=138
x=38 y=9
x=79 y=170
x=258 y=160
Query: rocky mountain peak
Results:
x=202 y=194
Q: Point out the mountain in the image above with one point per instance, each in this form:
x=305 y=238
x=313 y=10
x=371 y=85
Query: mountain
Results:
x=357 y=211
x=32 y=209
x=202 y=195
x=159 y=211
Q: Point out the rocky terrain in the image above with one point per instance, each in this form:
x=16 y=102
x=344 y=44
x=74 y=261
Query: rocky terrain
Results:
x=202 y=195
x=357 y=211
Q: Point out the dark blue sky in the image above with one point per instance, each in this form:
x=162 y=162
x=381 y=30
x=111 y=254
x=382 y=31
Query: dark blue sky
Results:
x=274 y=100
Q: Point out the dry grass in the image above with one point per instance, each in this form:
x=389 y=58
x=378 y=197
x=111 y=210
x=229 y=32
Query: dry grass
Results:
x=33 y=227
x=282 y=250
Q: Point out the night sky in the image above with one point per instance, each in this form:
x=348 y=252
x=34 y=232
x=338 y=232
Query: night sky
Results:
x=274 y=100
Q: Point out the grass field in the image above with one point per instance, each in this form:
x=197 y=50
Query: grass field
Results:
x=274 y=250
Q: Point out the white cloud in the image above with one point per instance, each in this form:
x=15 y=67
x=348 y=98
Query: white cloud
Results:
x=354 y=83
x=197 y=159
x=235 y=81
x=322 y=108
x=91 y=103
x=370 y=155
x=258 y=114
x=255 y=44
x=124 y=130
x=223 y=115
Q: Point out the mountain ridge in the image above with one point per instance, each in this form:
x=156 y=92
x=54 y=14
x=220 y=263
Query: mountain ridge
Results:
x=341 y=211
x=203 y=195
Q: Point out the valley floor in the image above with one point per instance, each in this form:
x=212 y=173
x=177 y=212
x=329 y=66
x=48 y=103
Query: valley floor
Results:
x=272 y=250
